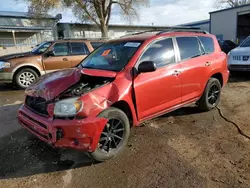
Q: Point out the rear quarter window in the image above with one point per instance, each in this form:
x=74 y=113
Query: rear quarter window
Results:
x=208 y=44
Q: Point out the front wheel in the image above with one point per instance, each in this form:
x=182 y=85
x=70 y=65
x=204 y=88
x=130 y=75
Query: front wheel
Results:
x=114 y=136
x=211 y=95
x=25 y=77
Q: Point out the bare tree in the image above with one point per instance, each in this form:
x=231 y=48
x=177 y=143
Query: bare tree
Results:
x=231 y=3
x=91 y=11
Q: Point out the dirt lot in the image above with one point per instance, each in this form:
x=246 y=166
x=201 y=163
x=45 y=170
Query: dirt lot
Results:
x=182 y=149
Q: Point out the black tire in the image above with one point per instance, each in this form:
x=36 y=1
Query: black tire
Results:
x=115 y=115
x=18 y=81
x=210 y=99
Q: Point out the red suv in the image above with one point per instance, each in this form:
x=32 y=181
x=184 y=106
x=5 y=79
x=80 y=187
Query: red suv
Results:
x=121 y=84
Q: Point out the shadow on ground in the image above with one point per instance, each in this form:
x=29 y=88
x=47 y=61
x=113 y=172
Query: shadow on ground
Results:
x=7 y=87
x=239 y=77
x=189 y=110
x=22 y=154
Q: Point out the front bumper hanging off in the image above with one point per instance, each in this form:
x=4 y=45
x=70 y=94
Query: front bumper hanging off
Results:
x=81 y=134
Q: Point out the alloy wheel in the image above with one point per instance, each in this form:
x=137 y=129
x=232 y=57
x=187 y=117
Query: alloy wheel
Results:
x=213 y=94
x=112 y=135
x=26 y=78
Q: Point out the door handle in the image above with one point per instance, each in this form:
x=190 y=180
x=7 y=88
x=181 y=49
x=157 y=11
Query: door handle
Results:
x=207 y=63
x=65 y=59
x=176 y=73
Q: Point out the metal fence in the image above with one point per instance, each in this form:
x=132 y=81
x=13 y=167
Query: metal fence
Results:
x=10 y=42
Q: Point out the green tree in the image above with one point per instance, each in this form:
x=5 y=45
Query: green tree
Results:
x=90 y=11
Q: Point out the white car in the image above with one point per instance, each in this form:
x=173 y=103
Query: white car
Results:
x=239 y=58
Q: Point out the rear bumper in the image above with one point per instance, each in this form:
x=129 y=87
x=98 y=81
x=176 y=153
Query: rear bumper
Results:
x=6 y=77
x=78 y=134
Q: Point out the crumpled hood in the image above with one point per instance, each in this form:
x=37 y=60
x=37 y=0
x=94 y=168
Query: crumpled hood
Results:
x=53 y=84
x=240 y=51
x=17 y=55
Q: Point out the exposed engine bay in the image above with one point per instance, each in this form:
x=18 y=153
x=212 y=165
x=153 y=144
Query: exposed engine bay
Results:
x=86 y=84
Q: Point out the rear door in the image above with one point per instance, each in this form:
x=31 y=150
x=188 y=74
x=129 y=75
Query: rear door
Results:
x=78 y=51
x=57 y=58
x=195 y=67
x=157 y=91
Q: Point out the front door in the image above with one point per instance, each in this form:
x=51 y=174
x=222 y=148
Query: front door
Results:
x=57 y=57
x=157 y=91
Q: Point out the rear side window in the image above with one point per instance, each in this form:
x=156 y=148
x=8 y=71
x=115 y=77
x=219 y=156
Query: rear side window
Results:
x=208 y=44
x=161 y=53
x=79 y=48
x=189 y=47
x=96 y=44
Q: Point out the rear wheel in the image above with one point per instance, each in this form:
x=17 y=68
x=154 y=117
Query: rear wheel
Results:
x=25 y=77
x=211 y=95
x=114 y=136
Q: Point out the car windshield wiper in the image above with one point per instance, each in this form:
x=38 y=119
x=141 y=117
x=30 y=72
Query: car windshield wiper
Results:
x=86 y=67
x=196 y=56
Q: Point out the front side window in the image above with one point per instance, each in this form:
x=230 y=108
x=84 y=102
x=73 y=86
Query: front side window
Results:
x=79 y=48
x=246 y=43
x=60 y=49
x=161 y=53
x=113 y=56
x=208 y=44
x=188 y=47
x=41 y=48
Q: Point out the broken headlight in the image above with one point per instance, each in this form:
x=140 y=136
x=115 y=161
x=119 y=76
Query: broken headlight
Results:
x=68 y=107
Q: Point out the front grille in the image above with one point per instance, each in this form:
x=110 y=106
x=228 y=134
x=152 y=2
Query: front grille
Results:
x=35 y=131
x=237 y=58
x=37 y=104
x=37 y=122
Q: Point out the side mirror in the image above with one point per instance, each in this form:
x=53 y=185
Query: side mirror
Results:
x=49 y=54
x=146 y=66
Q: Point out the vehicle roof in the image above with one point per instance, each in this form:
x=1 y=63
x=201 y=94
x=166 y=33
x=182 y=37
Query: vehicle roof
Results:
x=152 y=34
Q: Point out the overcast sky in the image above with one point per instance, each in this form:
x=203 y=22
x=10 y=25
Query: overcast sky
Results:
x=160 y=12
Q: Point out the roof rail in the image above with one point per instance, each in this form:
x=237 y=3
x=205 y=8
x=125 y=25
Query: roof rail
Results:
x=173 y=29
x=138 y=33
x=183 y=30
x=83 y=38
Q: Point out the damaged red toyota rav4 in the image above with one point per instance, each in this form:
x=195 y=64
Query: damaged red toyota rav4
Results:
x=121 y=84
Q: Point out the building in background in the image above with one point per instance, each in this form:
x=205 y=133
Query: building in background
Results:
x=202 y=24
x=227 y=24
x=19 y=29
x=231 y=24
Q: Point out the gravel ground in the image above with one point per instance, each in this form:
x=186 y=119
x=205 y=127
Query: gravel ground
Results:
x=185 y=148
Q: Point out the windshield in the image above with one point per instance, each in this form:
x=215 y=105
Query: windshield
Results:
x=112 y=56
x=41 y=48
x=246 y=43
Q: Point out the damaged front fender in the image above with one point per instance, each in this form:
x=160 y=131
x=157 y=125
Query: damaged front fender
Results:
x=98 y=100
